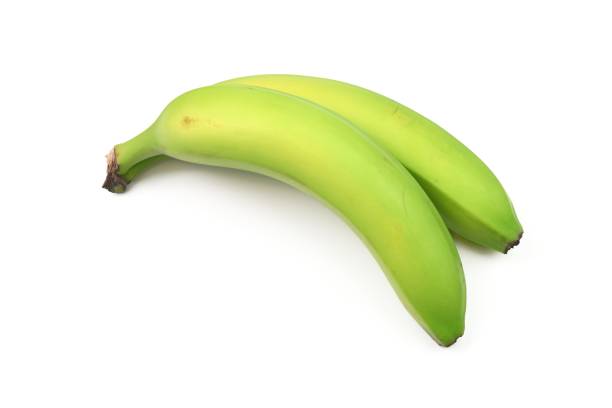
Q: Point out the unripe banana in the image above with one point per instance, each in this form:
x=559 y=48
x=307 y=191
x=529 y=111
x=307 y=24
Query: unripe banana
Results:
x=317 y=151
x=467 y=194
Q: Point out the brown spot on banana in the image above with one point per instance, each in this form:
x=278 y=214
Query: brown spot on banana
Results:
x=187 y=121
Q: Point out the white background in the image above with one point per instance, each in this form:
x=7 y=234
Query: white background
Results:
x=210 y=287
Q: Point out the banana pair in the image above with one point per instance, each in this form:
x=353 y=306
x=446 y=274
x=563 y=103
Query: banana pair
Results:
x=397 y=178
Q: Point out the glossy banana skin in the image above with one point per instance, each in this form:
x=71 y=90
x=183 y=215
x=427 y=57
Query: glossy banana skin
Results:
x=467 y=194
x=317 y=151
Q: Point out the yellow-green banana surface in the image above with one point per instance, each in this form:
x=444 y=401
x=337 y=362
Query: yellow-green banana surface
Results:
x=469 y=197
x=319 y=152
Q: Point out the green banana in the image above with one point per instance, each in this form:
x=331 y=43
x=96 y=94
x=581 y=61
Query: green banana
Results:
x=317 y=151
x=467 y=194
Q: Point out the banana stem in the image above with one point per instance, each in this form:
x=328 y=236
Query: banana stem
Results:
x=133 y=154
x=142 y=166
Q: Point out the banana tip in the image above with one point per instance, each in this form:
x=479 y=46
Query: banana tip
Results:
x=450 y=343
x=514 y=243
x=446 y=341
x=113 y=182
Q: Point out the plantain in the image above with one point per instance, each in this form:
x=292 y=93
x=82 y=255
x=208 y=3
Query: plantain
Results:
x=319 y=152
x=467 y=194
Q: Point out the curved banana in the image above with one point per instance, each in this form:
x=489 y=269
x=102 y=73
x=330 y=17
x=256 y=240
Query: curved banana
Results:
x=315 y=150
x=469 y=197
